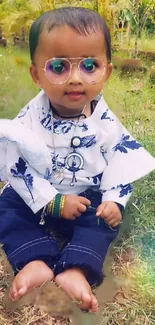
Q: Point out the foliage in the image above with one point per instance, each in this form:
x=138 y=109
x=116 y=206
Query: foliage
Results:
x=141 y=10
x=18 y=14
x=106 y=11
x=134 y=15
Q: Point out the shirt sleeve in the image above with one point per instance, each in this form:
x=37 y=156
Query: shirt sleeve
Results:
x=126 y=159
x=120 y=194
x=26 y=164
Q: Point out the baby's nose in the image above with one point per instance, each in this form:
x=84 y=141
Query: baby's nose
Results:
x=75 y=76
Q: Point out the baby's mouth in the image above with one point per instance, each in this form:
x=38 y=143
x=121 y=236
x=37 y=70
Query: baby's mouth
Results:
x=75 y=95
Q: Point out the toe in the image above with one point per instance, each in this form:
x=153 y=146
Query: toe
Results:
x=94 y=305
x=10 y=294
x=13 y=295
x=22 y=291
x=86 y=301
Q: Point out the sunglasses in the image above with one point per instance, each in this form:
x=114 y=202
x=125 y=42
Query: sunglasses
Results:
x=58 y=70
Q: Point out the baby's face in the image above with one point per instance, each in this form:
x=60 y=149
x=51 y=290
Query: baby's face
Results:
x=74 y=87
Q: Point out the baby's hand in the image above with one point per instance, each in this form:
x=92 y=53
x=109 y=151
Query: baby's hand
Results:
x=110 y=212
x=74 y=206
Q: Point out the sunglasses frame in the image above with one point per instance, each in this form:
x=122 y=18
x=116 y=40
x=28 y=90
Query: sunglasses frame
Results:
x=71 y=65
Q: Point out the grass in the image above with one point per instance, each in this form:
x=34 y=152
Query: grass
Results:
x=134 y=254
x=144 y=43
x=17 y=86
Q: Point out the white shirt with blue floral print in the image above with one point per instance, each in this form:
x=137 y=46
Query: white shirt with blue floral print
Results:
x=107 y=157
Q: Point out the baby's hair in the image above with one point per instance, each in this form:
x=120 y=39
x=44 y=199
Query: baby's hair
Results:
x=83 y=20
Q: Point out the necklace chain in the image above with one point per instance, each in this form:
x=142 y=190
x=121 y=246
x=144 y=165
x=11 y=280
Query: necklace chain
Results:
x=67 y=116
x=59 y=170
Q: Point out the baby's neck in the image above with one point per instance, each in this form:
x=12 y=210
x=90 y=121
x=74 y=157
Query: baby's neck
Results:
x=72 y=114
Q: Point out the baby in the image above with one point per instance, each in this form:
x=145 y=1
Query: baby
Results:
x=68 y=161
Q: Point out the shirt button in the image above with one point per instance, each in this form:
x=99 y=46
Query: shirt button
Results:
x=76 y=142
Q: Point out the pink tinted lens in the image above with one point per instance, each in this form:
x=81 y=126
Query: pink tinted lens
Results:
x=57 y=70
x=92 y=70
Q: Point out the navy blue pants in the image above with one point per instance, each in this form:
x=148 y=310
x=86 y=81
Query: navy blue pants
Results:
x=24 y=240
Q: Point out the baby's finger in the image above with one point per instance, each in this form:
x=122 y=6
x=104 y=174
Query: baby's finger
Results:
x=106 y=213
x=109 y=217
x=82 y=208
x=117 y=217
x=100 y=209
x=84 y=201
x=99 y=213
x=113 y=222
x=77 y=214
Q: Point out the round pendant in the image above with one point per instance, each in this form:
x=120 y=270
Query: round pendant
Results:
x=75 y=142
x=74 y=162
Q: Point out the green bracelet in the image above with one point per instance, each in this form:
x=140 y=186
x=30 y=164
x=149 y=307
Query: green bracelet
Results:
x=56 y=209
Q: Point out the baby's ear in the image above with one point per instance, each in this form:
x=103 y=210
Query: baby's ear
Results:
x=34 y=74
x=109 y=70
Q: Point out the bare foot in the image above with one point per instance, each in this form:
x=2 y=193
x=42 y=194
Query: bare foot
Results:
x=77 y=288
x=33 y=275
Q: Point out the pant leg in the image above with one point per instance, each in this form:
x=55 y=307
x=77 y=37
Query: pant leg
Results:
x=88 y=246
x=23 y=239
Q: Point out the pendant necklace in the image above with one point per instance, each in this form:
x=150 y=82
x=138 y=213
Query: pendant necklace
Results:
x=71 y=156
